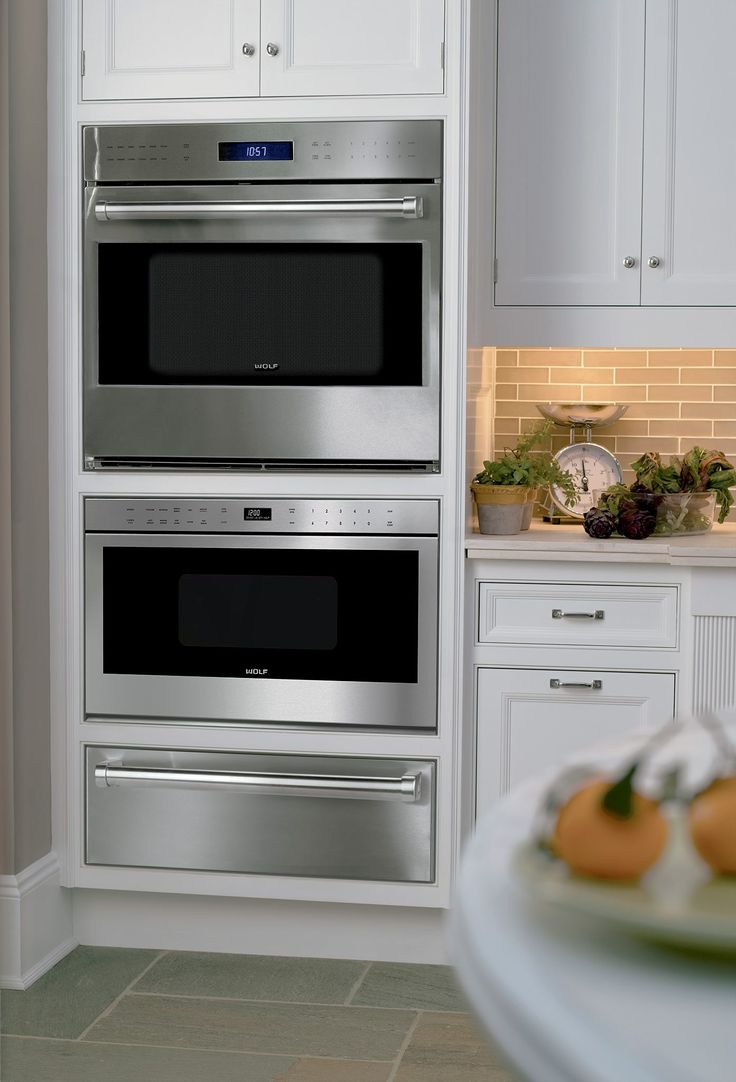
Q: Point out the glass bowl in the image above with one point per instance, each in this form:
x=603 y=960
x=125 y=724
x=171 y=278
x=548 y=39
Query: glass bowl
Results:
x=685 y=513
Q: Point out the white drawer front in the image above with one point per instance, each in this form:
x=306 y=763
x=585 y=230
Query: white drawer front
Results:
x=529 y=719
x=547 y=614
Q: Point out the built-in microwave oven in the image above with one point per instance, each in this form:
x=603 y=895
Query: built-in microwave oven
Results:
x=295 y=612
x=262 y=295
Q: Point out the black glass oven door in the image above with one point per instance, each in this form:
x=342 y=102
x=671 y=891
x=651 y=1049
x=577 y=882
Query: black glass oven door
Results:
x=237 y=314
x=271 y=614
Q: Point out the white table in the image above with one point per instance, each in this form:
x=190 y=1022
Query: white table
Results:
x=566 y=999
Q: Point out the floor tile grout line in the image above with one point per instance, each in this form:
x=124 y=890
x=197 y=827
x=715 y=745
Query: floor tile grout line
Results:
x=199 y=1048
x=117 y=999
x=357 y=984
x=404 y=1045
x=290 y=1002
x=141 y=975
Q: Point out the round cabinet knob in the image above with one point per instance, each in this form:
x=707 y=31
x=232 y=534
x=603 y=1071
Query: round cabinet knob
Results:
x=629 y=262
x=653 y=261
x=248 y=49
x=272 y=49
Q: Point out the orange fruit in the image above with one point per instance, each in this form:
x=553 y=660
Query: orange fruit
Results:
x=594 y=842
x=712 y=819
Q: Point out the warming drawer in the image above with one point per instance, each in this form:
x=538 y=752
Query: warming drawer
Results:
x=294 y=815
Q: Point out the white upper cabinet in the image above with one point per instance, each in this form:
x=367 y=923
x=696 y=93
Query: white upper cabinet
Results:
x=170 y=48
x=690 y=154
x=616 y=167
x=352 y=47
x=137 y=49
x=569 y=151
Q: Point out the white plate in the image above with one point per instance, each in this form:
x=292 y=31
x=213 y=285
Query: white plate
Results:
x=706 y=920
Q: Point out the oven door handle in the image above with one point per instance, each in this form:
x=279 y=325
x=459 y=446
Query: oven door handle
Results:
x=406 y=788
x=409 y=206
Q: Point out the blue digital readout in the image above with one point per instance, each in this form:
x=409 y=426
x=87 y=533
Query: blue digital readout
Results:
x=256 y=152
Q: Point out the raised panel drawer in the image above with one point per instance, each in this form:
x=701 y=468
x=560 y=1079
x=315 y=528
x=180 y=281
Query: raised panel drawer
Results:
x=530 y=719
x=547 y=614
x=260 y=814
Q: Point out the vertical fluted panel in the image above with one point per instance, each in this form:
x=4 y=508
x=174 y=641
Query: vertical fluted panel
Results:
x=714 y=681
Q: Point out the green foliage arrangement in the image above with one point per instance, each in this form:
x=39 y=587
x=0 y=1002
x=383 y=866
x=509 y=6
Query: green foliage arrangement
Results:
x=529 y=464
x=697 y=471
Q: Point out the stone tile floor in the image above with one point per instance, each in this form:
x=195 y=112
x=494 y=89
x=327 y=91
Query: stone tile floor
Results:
x=109 y=1015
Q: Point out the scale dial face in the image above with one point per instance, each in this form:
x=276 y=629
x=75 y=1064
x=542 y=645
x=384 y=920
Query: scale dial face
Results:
x=593 y=469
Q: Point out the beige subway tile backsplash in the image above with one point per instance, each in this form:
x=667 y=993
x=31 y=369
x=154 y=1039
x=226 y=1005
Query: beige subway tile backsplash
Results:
x=647 y=375
x=679 y=358
x=537 y=357
x=677 y=398
x=548 y=392
x=575 y=375
x=619 y=358
x=676 y=393
x=507 y=358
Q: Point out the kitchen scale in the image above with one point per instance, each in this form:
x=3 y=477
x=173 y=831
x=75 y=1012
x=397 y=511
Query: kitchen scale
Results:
x=593 y=467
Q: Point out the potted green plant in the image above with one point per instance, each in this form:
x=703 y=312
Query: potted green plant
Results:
x=505 y=489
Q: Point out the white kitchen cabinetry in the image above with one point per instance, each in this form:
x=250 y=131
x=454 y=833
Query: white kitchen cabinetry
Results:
x=566 y=656
x=528 y=719
x=615 y=172
x=138 y=49
x=569 y=150
x=568 y=614
x=689 y=220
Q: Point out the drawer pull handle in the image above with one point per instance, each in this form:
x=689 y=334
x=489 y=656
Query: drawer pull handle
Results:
x=595 y=685
x=406 y=788
x=558 y=614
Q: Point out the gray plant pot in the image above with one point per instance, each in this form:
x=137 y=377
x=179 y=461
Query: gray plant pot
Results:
x=526 y=517
x=501 y=518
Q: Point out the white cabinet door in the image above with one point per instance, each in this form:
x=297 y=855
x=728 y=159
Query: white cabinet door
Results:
x=240 y=48
x=170 y=48
x=690 y=154
x=351 y=47
x=525 y=724
x=569 y=151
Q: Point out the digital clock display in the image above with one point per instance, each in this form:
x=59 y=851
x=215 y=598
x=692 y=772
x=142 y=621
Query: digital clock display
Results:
x=256 y=152
x=257 y=514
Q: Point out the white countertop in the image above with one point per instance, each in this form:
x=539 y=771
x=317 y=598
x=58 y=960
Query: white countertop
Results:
x=547 y=542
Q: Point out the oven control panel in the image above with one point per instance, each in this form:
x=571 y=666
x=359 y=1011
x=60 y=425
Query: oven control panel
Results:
x=325 y=150
x=259 y=515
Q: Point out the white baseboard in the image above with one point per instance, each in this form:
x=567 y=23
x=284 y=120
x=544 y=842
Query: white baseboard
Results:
x=258 y=926
x=35 y=923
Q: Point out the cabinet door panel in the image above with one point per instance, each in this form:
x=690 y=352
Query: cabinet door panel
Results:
x=352 y=47
x=690 y=154
x=524 y=725
x=170 y=48
x=569 y=151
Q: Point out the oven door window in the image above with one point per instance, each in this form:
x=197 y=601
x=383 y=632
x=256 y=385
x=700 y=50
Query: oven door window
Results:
x=260 y=314
x=271 y=614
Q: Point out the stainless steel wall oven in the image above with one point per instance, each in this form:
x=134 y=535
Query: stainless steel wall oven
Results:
x=292 y=612
x=262 y=294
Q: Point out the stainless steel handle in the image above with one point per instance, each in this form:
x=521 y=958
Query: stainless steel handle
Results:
x=596 y=685
x=629 y=262
x=653 y=261
x=248 y=49
x=558 y=614
x=409 y=206
x=272 y=48
x=406 y=788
